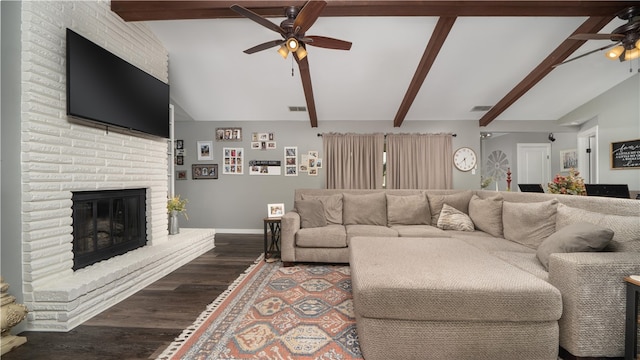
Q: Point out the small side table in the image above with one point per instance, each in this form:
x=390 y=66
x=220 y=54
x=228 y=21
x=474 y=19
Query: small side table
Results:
x=271 y=237
x=631 y=338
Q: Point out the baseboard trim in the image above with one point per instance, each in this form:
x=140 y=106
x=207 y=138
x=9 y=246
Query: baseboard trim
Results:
x=239 y=231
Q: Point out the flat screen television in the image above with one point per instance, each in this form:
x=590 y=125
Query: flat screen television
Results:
x=608 y=190
x=103 y=88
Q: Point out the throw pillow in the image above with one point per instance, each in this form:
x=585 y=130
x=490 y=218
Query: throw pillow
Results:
x=408 y=210
x=365 y=209
x=529 y=223
x=578 y=237
x=453 y=219
x=626 y=229
x=459 y=201
x=311 y=213
x=332 y=206
x=486 y=214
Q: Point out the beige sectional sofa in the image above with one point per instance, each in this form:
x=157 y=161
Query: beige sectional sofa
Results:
x=562 y=258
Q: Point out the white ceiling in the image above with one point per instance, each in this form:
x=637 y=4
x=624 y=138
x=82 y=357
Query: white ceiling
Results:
x=481 y=60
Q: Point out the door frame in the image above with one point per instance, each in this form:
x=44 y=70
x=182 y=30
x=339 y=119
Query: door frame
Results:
x=583 y=158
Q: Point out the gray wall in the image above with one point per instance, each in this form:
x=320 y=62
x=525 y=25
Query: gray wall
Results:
x=617 y=115
x=9 y=149
x=508 y=143
x=238 y=203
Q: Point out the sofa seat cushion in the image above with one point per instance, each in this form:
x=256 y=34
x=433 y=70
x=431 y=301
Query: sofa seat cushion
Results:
x=436 y=279
x=419 y=231
x=369 y=230
x=486 y=242
x=525 y=261
x=330 y=236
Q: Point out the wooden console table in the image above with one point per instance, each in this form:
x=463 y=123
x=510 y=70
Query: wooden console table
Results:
x=271 y=237
x=631 y=333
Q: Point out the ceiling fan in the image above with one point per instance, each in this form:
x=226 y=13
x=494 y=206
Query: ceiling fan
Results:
x=294 y=40
x=626 y=38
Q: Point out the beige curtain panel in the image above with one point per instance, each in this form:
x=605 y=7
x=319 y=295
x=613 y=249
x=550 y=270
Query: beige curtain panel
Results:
x=353 y=161
x=419 y=161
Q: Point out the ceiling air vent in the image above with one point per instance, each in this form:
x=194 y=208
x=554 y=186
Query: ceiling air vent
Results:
x=481 y=108
x=298 y=108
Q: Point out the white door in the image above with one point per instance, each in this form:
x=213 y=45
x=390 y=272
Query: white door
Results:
x=534 y=164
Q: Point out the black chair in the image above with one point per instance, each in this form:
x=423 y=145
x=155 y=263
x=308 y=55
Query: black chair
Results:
x=537 y=188
x=608 y=190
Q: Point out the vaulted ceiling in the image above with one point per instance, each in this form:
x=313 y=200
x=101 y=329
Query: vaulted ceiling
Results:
x=410 y=60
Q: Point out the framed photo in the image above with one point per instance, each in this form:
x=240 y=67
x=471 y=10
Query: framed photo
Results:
x=233 y=161
x=205 y=150
x=255 y=145
x=271 y=145
x=229 y=134
x=275 y=210
x=204 y=171
x=179 y=160
x=181 y=175
x=179 y=144
x=290 y=161
x=568 y=159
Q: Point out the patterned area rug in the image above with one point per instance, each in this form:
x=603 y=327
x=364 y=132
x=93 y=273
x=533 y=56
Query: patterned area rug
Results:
x=272 y=312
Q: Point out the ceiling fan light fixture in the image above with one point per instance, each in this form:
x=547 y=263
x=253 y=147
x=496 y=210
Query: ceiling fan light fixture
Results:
x=631 y=54
x=615 y=52
x=283 y=51
x=292 y=44
x=301 y=53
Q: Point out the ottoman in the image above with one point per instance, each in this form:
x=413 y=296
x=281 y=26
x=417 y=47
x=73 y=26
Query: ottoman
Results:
x=440 y=298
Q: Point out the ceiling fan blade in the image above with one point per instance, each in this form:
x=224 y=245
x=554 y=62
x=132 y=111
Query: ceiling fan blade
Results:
x=305 y=75
x=596 y=37
x=587 y=53
x=257 y=18
x=327 y=42
x=264 y=46
x=308 y=16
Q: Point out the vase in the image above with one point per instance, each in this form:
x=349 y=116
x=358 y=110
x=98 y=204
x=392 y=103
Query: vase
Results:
x=174 y=227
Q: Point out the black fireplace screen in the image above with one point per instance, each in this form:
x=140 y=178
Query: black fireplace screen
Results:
x=107 y=223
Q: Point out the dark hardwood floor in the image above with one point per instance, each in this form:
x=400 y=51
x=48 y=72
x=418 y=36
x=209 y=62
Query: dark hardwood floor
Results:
x=144 y=324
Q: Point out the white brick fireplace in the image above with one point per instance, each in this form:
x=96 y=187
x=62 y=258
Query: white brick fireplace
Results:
x=60 y=156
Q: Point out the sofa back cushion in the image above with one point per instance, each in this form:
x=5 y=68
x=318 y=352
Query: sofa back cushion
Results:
x=626 y=229
x=311 y=213
x=408 y=210
x=365 y=209
x=332 y=206
x=486 y=214
x=529 y=223
x=459 y=201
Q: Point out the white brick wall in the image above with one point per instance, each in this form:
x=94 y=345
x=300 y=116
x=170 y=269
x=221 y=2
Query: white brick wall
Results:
x=61 y=155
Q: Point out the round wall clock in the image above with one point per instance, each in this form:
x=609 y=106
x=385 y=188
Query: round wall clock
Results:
x=465 y=159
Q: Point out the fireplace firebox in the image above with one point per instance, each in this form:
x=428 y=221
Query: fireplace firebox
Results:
x=107 y=223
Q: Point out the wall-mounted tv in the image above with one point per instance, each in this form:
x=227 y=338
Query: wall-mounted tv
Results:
x=103 y=88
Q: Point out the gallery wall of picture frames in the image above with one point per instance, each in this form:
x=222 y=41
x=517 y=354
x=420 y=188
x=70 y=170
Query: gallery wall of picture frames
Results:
x=233 y=162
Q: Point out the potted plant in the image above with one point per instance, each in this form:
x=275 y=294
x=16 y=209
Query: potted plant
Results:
x=175 y=205
x=571 y=184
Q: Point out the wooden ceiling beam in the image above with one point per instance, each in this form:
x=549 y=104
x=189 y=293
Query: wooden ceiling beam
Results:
x=438 y=37
x=561 y=53
x=187 y=9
